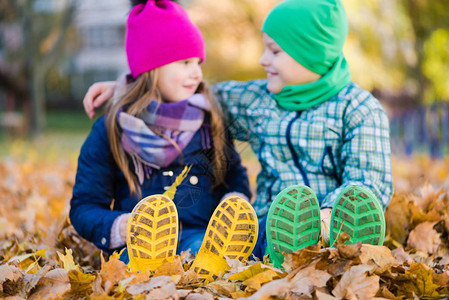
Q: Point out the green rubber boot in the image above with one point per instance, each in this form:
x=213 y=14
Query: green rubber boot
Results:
x=293 y=222
x=358 y=213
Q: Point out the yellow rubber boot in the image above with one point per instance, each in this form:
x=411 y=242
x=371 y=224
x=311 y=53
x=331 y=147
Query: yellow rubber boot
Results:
x=232 y=232
x=152 y=233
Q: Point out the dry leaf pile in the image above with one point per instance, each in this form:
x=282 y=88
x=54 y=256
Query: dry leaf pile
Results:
x=42 y=257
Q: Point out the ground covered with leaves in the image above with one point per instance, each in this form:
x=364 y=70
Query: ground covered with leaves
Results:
x=42 y=257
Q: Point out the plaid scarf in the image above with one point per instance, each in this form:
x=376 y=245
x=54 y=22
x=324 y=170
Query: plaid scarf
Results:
x=177 y=122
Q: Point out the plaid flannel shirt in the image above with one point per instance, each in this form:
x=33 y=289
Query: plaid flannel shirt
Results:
x=343 y=141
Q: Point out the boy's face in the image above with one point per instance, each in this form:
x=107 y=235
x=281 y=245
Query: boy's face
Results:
x=281 y=68
x=179 y=80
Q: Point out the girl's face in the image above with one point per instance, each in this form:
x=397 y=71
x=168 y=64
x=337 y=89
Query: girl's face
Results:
x=281 y=68
x=179 y=80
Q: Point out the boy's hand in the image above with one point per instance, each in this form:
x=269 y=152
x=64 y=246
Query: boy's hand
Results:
x=96 y=95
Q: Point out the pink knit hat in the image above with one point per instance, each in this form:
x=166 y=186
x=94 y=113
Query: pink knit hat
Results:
x=158 y=33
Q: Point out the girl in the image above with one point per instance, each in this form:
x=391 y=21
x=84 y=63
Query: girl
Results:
x=162 y=119
x=322 y=141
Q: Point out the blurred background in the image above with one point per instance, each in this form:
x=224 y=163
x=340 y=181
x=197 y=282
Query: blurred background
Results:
x=51 y=51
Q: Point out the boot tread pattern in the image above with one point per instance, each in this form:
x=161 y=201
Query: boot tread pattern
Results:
x=232 y=232
x=358 y=213
x=152 y=232
x=295 y=221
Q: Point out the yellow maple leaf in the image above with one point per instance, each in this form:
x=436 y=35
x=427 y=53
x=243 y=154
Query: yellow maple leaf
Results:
x=254 y=283
x=67 y=260
x=248 y=273
x=81 y=283
x=170 y=193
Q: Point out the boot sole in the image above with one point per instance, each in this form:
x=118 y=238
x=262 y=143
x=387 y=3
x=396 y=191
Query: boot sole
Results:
x=152 y=233
x=358 y=213
x=293 y=222
x=232 y=232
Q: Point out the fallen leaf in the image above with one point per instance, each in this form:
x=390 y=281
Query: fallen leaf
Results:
x=397 y=218
x=307 y=280
x=418 y=280
x=348 y=251
x=323 y=296
x=255 y=282
x=53 y=285
x=379 y=255
x=401 y=256
x=67 y=260
x=154 y=283
x=189 y=277
x=170 y=268
x=356 y=284
x=114 y=270
x=224 y=288
x=302 y=284
x=8 y=272
x=428 y=196
x=81 y=283
x=298 y=258
x=198 y=296
x=248 y=272
x=424 y=238
x=26 y=283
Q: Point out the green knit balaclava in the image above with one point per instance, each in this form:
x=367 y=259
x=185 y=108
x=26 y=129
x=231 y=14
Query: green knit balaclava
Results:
x=313 y=33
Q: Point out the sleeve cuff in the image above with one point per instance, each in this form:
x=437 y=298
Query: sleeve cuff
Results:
x=116 y=239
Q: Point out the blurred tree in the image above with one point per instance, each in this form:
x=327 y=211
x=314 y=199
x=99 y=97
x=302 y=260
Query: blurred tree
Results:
x=391 y=43
x=32 y=41
x=233 y=38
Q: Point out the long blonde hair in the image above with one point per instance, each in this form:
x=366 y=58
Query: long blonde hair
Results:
x=137 y=97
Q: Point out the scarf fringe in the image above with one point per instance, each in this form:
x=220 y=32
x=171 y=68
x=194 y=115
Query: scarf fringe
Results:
x=142 y=168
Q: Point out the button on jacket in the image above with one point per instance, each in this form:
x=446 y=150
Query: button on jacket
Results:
x=101 y=186
x=343 y=141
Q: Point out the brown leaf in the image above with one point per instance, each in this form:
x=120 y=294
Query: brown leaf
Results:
x=379 y=255
x=154 y=283
x=401 y=256
x=424 y=238
x=298 y=258
x=25 y=284
x=113 y=270
x=428 y=196
x=417 y=281
x=384 y=292
x=54 y=284
x=8 y=272
x=356 y=284
x=319 y=295
x=348 y=251
x=97 y=287
x=170 y=268
x=223 y=287
x=397 y=218
x=307 y=280
x=302 y=284
x=419 y=216
x=189 y=277
x=198 y=296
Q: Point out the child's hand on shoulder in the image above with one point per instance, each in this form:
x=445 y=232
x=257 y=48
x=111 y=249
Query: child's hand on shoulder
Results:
x=97 y=94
